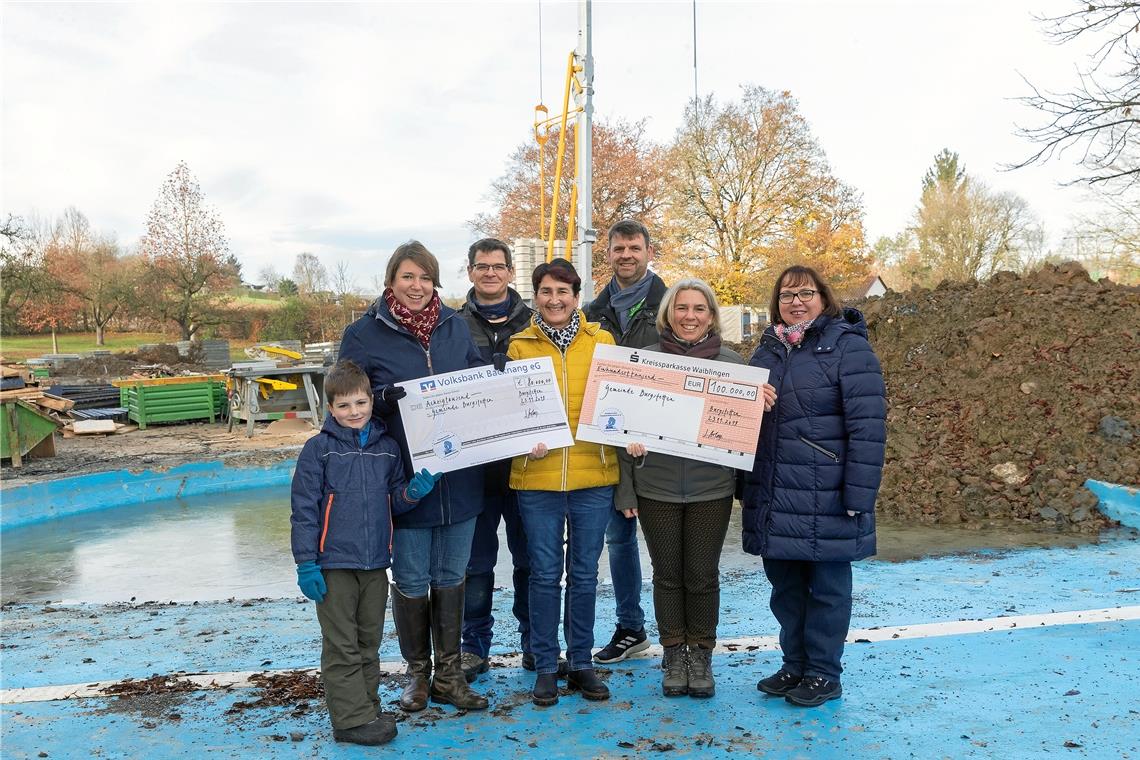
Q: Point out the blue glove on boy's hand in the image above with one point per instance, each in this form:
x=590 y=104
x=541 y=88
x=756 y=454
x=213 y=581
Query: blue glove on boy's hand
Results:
x=422 y=484
x=311 y=581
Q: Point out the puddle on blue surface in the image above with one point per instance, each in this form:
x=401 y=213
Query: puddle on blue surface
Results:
x=237 y=546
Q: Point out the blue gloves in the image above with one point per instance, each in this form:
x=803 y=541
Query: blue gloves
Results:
x=311 y=581
x=421 y=484
x=499 y=362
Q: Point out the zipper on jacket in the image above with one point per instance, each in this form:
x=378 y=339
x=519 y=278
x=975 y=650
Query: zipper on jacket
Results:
x=826 y=452
x=328 y=515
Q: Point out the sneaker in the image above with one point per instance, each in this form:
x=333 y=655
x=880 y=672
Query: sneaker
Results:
x=528 y=664
x=701 y=682
x=779 y=683
x=473 y=665
x=379 y=731
x=814 y=690
x=625 y=642
x=675 y=681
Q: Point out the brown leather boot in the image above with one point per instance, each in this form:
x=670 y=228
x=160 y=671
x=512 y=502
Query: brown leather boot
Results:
x=413 y=626
x=449 y=685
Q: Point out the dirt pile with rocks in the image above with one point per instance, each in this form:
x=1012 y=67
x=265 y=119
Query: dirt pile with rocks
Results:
x=1006 y=395
x=161 y=359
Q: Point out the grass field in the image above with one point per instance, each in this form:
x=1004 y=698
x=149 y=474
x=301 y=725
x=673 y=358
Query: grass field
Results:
x=20 y=347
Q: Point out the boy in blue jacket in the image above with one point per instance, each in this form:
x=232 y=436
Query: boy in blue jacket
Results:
x=348 y=483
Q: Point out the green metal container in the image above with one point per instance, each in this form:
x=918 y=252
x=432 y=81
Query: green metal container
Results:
x=23 y=427
x=182 y=402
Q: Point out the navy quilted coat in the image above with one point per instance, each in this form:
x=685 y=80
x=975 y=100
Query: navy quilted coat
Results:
x=821 y=447
x=389 y=353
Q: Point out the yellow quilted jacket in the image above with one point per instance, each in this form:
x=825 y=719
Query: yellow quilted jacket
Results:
x=585 y=464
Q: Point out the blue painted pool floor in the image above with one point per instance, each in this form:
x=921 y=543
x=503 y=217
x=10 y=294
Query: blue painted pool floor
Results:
x=1057 y=689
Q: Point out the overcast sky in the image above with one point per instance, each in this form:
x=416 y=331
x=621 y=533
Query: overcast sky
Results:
x=346 y=129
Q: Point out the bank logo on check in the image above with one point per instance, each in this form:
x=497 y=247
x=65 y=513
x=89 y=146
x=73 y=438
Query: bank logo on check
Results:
x=427 y=385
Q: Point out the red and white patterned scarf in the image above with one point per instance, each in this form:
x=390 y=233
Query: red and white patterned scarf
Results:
x=419 y=323
x=792 y=335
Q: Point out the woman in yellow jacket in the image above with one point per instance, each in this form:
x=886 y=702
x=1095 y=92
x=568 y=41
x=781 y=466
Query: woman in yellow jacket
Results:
x=570 y=489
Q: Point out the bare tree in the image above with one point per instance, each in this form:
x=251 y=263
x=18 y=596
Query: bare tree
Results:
x=269 y=276
x=1099 y=117
x=189 y=265
x=1109 y=241
x=309 y=273
x=965 y=230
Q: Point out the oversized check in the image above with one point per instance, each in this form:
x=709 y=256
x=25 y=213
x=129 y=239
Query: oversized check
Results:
x=691 y=408
x=478 y=415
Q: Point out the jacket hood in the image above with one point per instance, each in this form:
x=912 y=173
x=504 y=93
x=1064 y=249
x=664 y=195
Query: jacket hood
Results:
x=830 y=328
x=348 y=435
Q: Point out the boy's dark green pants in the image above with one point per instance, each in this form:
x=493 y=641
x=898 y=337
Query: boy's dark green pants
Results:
x=352 y=621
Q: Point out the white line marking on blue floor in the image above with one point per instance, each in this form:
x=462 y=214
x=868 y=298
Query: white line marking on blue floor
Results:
x=241 y=679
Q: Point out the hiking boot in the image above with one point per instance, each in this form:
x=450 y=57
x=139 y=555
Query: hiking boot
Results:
x=814 y=690
x=587 y=682
x=701 y=683
x=473 y=665
x=625 y=642
x=545 y=691
x=378 y=731
x=675 y=682
x=528 y=664
x=780 y=683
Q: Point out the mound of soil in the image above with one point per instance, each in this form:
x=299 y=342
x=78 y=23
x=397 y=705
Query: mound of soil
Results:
x=160 y=359
x=1006 y=395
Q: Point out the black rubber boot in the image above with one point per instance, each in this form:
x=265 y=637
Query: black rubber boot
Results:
x=449 y=685
x=588 y=683
x=413 y=626
x=545 y=691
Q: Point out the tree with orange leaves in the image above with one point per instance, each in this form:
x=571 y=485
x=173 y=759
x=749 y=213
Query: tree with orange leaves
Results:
x=750 y=190
x=628 y=181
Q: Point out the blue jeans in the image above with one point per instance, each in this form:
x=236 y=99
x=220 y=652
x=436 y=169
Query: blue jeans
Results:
x=625 y=570
x=581 y=516
x=479 y=594
x=430 y=557
x=812 y=603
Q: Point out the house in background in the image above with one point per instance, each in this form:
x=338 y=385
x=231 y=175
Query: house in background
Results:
x=739 y=323
x=870 y=286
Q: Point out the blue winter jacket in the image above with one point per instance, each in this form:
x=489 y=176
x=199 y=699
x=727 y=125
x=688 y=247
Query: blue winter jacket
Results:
x=344 y=496
x=389 y=354
x=821 y=447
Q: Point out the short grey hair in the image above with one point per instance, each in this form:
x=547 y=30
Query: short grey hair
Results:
x=689 y=283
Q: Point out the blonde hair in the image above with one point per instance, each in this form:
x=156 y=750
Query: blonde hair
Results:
x=689 y=283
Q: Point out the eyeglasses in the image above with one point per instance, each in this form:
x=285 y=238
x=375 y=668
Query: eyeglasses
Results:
x=484 y=268
x=804 y=295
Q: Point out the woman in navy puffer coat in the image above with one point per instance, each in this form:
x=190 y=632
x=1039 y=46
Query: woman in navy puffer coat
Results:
x=409 y=333
x=809 y=501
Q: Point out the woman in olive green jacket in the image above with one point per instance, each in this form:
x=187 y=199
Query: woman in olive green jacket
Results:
x=567 y=490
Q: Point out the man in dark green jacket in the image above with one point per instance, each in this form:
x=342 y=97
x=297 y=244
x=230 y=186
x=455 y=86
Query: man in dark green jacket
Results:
x=627 y=308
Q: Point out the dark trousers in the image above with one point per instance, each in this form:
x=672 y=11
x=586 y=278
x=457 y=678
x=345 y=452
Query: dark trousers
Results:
x=477 y=618
x=812 y=603
x=684 y=543
x=352 y=619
